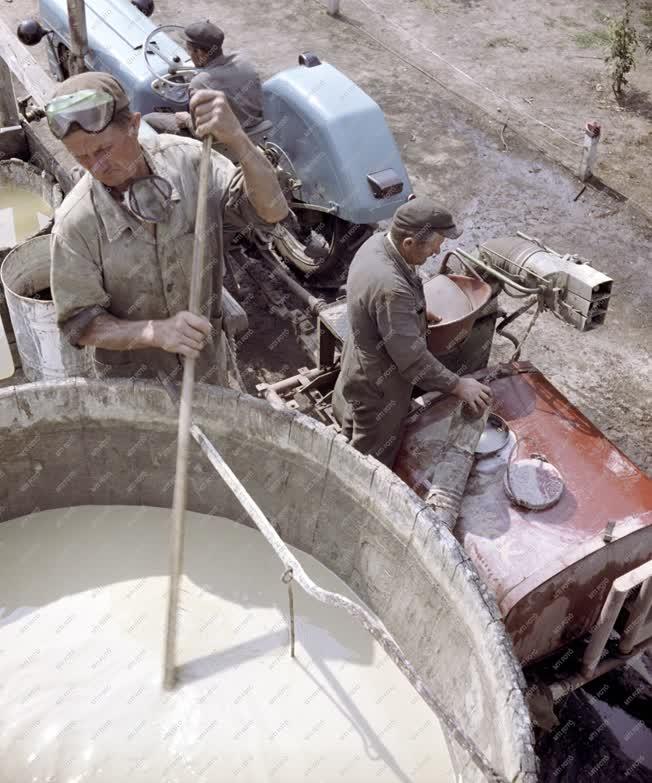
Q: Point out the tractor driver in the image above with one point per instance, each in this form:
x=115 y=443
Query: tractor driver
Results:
x=232 y=74
x=386 y=354
x=122 y=242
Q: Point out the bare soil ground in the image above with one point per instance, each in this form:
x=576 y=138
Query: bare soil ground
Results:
x=540 y=68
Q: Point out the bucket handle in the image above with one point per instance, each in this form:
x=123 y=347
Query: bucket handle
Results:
x=444 y=265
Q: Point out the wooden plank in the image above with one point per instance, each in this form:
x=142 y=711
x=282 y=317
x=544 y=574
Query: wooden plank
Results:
x=22 y=64
x=8 y=105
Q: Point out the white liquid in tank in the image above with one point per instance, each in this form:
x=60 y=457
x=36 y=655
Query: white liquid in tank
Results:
x=22 y=213
x=81 y=641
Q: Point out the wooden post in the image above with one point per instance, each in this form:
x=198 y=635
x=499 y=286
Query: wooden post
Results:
x=78 y=35
x=185 y=420
x=592 y=132
x=333 y=7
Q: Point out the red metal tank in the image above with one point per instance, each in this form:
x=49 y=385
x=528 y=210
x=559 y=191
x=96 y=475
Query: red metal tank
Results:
x=549 y=570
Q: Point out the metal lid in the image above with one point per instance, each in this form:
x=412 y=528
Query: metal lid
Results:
x=494 y=436
x=533 y=483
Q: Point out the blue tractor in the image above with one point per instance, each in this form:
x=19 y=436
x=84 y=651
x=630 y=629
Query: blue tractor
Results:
x=335 y=155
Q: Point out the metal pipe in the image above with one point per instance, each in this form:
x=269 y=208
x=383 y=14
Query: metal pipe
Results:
x=295 y=380
x=314 y=304
x=273 y=399
x=608 y=616
x=498 y=275
x=78 y=35
x=638 y=614
x=538 y=242
x=562 y=688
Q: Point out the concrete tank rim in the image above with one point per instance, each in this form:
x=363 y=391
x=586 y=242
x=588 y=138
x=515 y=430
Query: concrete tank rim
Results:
x=126 y=392
x=45 y=179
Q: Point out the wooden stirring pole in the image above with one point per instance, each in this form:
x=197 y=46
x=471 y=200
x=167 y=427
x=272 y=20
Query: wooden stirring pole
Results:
x=185 y=416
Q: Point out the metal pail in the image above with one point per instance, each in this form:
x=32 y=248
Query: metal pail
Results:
x=16 y=173
x=44 y=351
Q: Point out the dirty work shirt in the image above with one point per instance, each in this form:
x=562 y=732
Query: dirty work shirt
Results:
x=105 y=260
x=236 y=76
x=385 y=354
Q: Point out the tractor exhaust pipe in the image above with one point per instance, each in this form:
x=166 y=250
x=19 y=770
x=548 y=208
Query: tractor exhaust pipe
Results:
x=78 y=35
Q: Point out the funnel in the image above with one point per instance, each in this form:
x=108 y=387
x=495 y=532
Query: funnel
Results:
x=457 y=300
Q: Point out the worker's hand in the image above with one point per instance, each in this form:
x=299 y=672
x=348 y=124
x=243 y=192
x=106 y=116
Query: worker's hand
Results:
x=432 y=318
x=475 y=394
x=214 y=116
x=184 y=121
x=183 y=333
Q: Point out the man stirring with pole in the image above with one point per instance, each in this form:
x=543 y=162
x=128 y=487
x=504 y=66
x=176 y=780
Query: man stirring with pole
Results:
x=122 y=241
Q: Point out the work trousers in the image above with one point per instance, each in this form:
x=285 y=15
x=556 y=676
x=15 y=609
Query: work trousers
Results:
x=372 y=428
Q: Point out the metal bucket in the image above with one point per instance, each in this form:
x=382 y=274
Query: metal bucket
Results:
x=17 y=173
x=44 y=351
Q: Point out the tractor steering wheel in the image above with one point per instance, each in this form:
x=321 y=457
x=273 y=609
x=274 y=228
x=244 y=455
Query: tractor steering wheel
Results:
x=174 y=84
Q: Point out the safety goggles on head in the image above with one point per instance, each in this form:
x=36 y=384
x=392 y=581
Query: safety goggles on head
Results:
x=91 y=110
x=149 y=198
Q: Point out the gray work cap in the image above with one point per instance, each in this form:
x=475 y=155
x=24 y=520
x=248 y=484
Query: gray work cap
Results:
x=94 y=80
x=204 y=35
x=421 y=216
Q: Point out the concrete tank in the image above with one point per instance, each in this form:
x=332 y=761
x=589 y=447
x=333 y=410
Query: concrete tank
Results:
x=80 y=441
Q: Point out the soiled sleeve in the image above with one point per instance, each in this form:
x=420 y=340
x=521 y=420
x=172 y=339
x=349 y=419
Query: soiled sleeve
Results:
x=398 y=325
x=76 y=282
x=239 y=213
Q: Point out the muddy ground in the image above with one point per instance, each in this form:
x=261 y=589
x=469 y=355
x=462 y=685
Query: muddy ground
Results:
x=454 y=152
x=538 y=67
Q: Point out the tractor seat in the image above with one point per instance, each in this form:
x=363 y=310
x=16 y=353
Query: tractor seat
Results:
x=257 y=132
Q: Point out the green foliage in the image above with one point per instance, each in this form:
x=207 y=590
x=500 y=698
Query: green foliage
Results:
x=592 y=39
x=622 y=55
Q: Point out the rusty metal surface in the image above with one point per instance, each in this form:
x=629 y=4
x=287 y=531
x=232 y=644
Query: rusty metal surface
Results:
x=458 y=301
x=550 y=570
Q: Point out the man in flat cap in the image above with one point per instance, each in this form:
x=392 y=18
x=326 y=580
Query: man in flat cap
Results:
x=232 y=74
x=122 y=242
x=386 y=354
